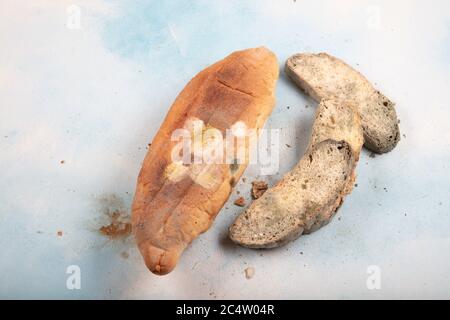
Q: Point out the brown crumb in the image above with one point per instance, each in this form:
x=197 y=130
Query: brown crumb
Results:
x=258 y=189
x=117 y=228
x=244 y=179
x=62 y=161
x=240 y=202
x=125 y=255
x=59 y=233
x=249 y=272
x=288 y=145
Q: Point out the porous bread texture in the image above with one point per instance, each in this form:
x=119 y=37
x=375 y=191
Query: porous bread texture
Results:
x=308 y=196
x=324 y=76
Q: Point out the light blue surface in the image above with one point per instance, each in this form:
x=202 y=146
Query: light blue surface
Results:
x=95 y=96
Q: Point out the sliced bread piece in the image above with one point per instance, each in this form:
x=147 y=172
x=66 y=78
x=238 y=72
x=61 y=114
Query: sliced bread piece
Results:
x=324 y=76
x=308 y=196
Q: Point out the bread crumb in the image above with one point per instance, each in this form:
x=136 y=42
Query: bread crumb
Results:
x=62 y=161
x=119 y=226
x=240 y=202
x=258 y=189
x=249 y=272
x=59 y=233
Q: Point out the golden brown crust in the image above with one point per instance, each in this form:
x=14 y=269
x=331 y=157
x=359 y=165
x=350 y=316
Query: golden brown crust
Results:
x=169 y=214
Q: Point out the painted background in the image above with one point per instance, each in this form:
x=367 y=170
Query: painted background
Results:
x=94 y=95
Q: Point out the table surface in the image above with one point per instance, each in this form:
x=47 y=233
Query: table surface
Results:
x=79 y=102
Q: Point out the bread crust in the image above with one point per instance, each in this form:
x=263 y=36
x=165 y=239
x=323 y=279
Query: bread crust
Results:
x=167 y=213
x=324 y=76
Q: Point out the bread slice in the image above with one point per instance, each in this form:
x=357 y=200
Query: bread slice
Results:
x=324 y=76
x=308 y=196
x=175 y=202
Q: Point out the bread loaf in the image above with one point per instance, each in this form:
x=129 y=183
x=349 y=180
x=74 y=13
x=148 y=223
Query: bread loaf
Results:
x=176 y=201
x=308 y=196
x=324 y=76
